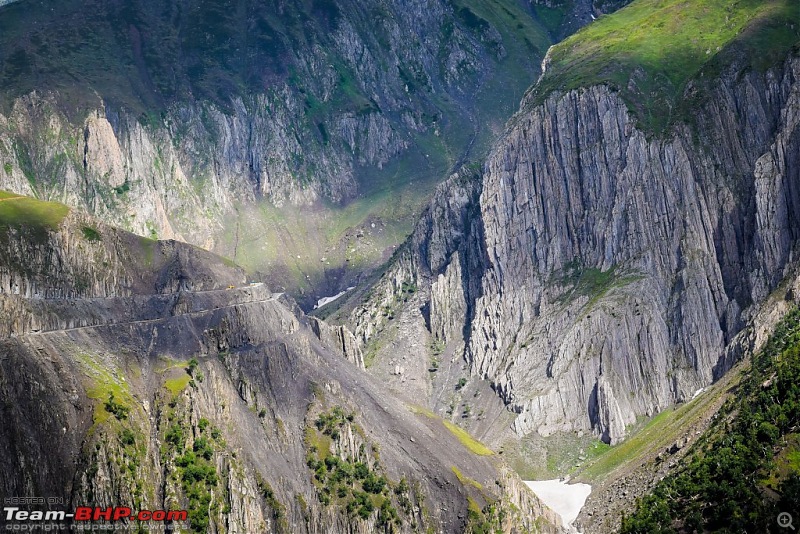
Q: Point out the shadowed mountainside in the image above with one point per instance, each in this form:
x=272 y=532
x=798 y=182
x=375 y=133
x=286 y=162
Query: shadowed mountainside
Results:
x=172 y=384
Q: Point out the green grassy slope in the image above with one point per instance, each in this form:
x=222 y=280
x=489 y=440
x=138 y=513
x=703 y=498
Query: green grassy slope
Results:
x=651 y=49
x=745 y=469
x=28 y=214
x=657 y=434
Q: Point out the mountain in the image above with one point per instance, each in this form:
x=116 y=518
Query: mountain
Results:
x=574 y=295
x=597 y=267
x=298 y=138
x=150 y=374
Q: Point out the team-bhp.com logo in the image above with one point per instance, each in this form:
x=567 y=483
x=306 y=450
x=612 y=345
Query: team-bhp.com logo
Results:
x=84 y=516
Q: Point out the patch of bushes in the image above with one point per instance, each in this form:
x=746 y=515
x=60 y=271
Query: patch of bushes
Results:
x=127 y=437
x=349 y=482
x=174 y=436
x=90 y=234
x=330 y=423
x=723 y=484
x=195 y=470
x=277 y=507
x=122 y=189
x=203 y=448
x=120 y=411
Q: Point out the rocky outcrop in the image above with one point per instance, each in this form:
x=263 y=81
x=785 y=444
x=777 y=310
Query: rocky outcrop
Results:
x=448 y=226
x=447 y=305
x=604 y=271
x=176 y=385
x=202 y=134
x=83 y=258
x=80 y=272
x=340 y=337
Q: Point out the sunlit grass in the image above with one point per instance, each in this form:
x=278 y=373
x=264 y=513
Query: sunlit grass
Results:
x=463 y=436
x=17 y=211
x=660 y=432
x=650 y=49
x=176 y=385
x=468 y=441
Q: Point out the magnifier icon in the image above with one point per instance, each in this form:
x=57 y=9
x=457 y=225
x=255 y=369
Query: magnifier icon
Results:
x=785 y=520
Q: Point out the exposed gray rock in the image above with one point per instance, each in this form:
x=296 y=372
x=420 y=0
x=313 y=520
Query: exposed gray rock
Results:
x=112 y=390
x=340 y=337
x=369 y=85
x=447 y=305
x=605 y=272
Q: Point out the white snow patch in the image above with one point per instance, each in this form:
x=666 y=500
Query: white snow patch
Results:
x=564 y=499
x=698 y=392
x=325 y=300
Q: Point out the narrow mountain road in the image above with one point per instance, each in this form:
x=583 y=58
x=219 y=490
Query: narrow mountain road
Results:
x=272 y=297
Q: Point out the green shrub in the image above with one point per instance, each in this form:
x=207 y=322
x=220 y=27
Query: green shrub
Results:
x=120 y=411
x=721 y=484
x=361 y=471
x=127 y=437
x=175 y=435
x=90 y=234
x=373 y=483
x=203 y=448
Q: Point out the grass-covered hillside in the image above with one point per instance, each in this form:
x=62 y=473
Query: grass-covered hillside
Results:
x=19 y=212
x=745 y=469
x=651 y=49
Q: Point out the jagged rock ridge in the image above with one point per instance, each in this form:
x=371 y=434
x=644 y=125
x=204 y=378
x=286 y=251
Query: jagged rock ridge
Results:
x=179 y=386
x=593 y=274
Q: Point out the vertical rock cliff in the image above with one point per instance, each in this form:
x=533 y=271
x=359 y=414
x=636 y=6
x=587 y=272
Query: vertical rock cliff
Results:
x=592 y=272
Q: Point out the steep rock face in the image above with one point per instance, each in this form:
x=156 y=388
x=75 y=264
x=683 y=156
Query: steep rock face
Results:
x=341 y=337
x=604 y=272
x=449 y=229
x=177 y=386
x=278 y=104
